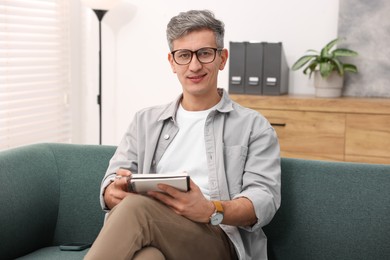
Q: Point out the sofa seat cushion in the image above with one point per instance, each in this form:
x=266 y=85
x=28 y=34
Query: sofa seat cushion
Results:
x=54 y=252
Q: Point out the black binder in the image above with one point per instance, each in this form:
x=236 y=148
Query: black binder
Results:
x=275 y=70
x=237 y=68
x=254 y=68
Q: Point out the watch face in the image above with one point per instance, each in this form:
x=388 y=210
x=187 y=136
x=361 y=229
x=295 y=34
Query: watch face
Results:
x=216 y=219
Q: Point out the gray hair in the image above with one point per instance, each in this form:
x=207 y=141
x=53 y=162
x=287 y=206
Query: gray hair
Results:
x=193 y=20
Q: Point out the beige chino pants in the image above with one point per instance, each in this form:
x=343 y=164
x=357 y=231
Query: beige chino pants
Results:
x=142 y=228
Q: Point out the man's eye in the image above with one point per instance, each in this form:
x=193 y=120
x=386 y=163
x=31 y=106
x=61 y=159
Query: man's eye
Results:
x=184 y=55
x=205 y=53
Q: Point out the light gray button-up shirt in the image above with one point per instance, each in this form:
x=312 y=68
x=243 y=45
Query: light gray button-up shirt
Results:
x=243 y=160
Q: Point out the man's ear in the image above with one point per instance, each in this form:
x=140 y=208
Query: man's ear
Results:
x=224 y=58
x=172 y=62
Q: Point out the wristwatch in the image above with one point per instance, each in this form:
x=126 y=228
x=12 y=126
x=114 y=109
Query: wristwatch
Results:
x=217 y=217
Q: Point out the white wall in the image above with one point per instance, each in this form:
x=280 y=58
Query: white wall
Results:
x=136 y=73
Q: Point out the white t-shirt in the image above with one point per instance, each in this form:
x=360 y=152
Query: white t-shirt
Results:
x=187 y=151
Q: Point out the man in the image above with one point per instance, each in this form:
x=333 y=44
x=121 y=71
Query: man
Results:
x=230 y=152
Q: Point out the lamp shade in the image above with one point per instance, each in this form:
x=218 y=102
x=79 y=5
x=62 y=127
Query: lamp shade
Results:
x=100 y=4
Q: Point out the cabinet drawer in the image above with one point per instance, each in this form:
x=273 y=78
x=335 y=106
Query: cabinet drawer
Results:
x=310 y=135
x=368 y=136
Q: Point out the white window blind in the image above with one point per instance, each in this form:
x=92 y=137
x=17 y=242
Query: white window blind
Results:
x=34 y=72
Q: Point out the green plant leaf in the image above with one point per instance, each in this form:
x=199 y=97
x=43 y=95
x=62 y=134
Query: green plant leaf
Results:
x=325 y=52
x=312 y=51
x=302 y=61
x=332 y=43
x=311 y=66
x=338 y=66
x=342 y=52
x=325 y=69
x=350 y=68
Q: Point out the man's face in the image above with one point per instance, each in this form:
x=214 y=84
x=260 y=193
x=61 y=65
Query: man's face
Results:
x=198 y=79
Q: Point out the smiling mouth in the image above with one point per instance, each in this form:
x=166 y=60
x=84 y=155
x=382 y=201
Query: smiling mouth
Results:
x=196 y=78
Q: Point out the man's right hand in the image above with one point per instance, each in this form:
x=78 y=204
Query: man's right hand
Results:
x=117 y=190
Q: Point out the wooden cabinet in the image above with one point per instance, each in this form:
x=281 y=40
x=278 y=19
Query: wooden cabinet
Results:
x=367 y=138
x=340 y=129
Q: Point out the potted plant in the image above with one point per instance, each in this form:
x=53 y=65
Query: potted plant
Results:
x=327 y=67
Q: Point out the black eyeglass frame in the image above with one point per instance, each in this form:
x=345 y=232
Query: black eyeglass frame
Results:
x=196 y=54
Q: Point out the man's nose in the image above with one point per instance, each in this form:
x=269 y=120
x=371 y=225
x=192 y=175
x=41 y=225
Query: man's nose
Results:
x=195 y=64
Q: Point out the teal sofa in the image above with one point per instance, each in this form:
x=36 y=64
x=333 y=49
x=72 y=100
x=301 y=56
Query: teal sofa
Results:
x=49 y=195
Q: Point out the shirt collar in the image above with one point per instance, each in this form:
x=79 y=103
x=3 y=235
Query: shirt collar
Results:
x=224 y=106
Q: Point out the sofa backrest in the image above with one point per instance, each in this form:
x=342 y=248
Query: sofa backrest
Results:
x=331 y=211
x=49 y=196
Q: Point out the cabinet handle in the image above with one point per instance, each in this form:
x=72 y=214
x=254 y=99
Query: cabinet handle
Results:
x=279 y=124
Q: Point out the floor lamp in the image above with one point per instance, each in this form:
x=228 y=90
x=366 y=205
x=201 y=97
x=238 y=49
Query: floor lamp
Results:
x=100 y=7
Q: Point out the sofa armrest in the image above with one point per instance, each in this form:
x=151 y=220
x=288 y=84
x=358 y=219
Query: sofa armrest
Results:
x=29 y=198
x=49 y=195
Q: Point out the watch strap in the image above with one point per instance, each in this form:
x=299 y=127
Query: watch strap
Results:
x=218 y=206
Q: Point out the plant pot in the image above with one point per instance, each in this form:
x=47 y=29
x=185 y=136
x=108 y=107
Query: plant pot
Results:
x=329 y=87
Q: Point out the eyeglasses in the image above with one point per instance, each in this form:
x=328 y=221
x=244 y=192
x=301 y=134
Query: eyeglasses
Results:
x=204 y=55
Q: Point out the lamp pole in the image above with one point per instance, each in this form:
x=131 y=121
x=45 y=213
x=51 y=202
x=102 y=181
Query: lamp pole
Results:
x=100 y=8
x=100 y=14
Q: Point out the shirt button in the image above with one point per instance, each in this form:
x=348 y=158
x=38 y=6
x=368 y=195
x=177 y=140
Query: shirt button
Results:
x=166 y=137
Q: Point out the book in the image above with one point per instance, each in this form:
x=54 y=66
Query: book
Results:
x=142 y=183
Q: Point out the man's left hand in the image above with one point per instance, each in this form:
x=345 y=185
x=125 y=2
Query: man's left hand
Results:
x=192 y=204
